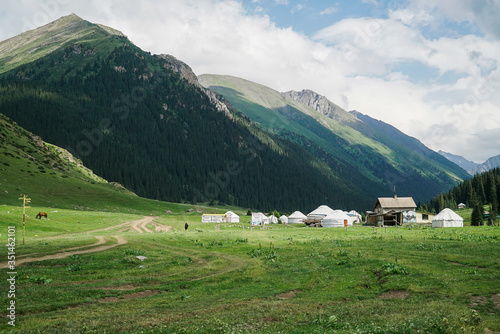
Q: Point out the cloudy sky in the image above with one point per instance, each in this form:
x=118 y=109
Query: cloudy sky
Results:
x=428 y=67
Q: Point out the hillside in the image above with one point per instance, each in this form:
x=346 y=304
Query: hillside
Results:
x=49 y=175
x=140 y=120
x=377 y=155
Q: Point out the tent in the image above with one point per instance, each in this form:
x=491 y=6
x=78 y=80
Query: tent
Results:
x=273 y=219
x=447 y=218
x=284 y=219
x=259 y=218
x=337 y=218
x=212 y=218
x=321 y=212
x=356 y=217
x=296 y=218
x=232 y=217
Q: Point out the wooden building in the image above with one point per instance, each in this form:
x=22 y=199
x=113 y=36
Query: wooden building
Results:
x=390 y=211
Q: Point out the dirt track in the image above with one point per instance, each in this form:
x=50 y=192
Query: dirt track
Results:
x=137 y=225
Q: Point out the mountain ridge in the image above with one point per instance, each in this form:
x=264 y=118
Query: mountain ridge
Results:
x=379 y=151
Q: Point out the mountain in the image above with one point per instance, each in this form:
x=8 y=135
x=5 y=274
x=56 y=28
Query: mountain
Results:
x=489 y=164
x=47 y=173
x=460 y=161
x=144 y=121
x=378 y=157
x=471 y=167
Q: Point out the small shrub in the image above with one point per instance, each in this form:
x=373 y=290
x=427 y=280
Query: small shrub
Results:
x=133 y=252
x=392 y=268
x=40 y=279
x=241 y=240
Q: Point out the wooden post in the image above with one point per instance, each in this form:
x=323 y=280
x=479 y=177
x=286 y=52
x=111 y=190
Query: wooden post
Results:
x=25 y=201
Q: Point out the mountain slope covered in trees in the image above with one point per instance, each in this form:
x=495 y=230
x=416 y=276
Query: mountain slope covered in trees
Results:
x=132 y=118
x=379 y=157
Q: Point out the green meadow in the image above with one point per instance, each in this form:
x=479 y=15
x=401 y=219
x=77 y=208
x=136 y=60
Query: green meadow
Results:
x=228 y=278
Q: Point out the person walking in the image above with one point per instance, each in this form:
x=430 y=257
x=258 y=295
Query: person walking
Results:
x=186 y=226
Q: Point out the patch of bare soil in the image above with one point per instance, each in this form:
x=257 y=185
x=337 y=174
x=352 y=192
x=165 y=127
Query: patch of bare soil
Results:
x=121 y=287
x=135 y=295
x=478 y=300
x=394 y=295
x=288 y=295
x=496 y=300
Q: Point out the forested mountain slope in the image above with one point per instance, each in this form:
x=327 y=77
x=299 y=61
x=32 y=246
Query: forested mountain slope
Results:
x=133 y=118
x=378 y=156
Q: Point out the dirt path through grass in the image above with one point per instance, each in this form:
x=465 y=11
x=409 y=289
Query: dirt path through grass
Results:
x=137 y=225
x=70 y=251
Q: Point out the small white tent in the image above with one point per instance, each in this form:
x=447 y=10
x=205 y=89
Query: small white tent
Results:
x=321 y=212
x=232 y=217
x=284 y=219
x=212 y=218
x=355 y=216
x=273 y=219
x=259 y=218
x=296 y=218
x=337 y=218
x=447 y=218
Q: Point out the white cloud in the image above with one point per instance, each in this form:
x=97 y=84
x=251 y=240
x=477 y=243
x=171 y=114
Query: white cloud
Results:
x=282 y=2
x=329 y=10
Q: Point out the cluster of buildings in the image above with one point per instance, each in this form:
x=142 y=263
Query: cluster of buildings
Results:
x=391 y=211
x=388 y=211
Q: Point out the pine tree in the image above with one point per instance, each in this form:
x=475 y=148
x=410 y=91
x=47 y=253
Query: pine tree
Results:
x=477 y=213
x=493 y=200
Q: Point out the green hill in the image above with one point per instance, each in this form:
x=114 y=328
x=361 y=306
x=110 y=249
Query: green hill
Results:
x=378 y=156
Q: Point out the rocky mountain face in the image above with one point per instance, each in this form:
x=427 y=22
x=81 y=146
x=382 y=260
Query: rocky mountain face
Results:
x=321 y=104
x=491 y=163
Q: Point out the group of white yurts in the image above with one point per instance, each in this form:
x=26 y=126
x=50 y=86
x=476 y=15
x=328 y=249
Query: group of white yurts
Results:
x=323 y=215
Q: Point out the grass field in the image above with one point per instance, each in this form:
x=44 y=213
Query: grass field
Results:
x=234 y=280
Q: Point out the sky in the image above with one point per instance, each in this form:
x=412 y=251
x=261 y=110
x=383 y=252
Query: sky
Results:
x=428 y=67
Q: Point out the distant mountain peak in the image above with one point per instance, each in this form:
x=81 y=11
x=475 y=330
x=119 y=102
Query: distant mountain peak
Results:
x=321 y=104
x=37 y=43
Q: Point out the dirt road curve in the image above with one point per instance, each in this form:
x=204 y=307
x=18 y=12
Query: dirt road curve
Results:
x=138 y=226
x=71 y=251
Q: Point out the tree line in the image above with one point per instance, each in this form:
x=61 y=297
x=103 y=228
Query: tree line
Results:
x=477 y=192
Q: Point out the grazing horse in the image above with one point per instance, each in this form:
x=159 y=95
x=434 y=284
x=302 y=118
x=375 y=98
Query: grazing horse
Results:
x=41 y=214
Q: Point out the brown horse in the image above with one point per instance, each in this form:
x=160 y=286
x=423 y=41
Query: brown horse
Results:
x=41 y=214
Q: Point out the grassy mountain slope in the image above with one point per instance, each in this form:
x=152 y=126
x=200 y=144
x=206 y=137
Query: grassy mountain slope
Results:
x=38 y=43
x=134 y=119
x=373 y=150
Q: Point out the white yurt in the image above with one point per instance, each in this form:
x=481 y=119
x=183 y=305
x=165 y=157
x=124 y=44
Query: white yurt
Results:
x=284 y=219
x=447 y=218
x=259 y=218
x=273 y=219
x=321 y=212
x=355 y=216
x=232 y=217
x=337 y=218
x=296 y=218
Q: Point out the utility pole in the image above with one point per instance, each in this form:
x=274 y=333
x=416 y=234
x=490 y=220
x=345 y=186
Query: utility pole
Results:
x=26 y=200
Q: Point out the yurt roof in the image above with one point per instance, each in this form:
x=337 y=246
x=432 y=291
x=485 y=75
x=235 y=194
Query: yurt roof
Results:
x=231 y=213
x=337 y=214
x=283 y=216
x=297 y=214
x=322 y=210
x=447 y=214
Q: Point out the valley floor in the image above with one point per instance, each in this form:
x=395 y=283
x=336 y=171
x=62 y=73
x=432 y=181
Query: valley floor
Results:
x=97 y=272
